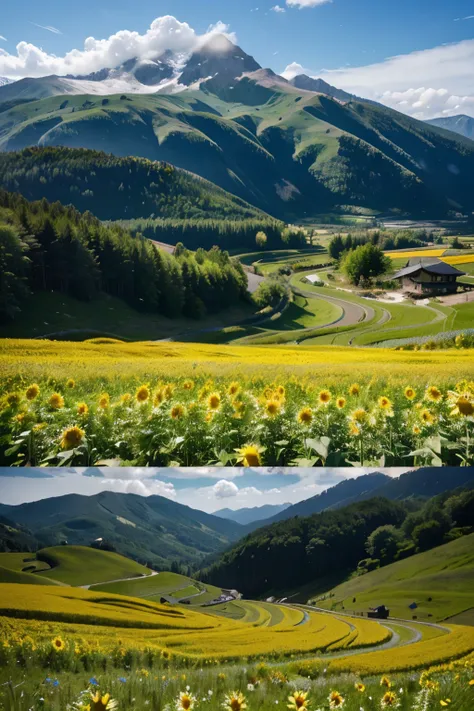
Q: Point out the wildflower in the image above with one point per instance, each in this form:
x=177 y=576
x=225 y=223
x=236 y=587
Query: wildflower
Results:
x=272 y=408
x=56 y=401
x=385 y=681
x=185 y=701
x=177 y=412
x=72 y=438
x=354 y=389
x=385 y=403
x=433 y=393
x=122 y=680
x=305 y=416
x=471 y=682
x=235 y=701
x=102 y=703
x=324 y=397
x=32 y=392
x=360 y=687
x=353 y=429
x=410 y=393
x=58 y=644
x=250 y=687
x=93 y=681
x=214 y=401
x=427 y=417
x=82 y=409
x=416 y=430
x=445 y=702
x=298 y=701
x=340 y=403
x=389 y=699
x=250 y=455
x=70 y=383
x=104 y=401
x=336 y=700
x=142 y=394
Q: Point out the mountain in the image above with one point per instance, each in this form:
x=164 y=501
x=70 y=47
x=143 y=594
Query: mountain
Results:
x=152 y=530
x=284 y=150
x=425 y=482
x=219 y=60
x=14 y=537
x=303 y=81
x=4 y=81
x=464 y=125
x=251 y=515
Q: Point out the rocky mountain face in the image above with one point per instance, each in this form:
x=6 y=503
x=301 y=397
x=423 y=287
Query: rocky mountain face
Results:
x=303 y=81
x=464 y=125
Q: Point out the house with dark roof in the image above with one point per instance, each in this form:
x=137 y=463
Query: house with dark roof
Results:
x=428 y=277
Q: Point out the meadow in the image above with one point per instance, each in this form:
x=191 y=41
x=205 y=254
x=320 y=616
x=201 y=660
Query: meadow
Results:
x=103 y=401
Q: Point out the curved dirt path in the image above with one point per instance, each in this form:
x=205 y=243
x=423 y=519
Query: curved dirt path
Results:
x=119 y=580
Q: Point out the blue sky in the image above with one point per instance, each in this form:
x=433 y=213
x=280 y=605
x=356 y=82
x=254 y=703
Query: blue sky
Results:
x=347 y=41
x=205 y=488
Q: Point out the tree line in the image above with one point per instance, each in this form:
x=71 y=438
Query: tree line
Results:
x=47 y=246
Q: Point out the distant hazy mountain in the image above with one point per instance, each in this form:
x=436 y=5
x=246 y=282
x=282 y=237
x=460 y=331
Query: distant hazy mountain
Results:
x=464 y=125
x=249 y=515
x=303 y=81
x=4 y=81
x=149 y=529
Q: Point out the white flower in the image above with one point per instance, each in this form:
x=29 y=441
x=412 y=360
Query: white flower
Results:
x=210 y=692
x=250 y=687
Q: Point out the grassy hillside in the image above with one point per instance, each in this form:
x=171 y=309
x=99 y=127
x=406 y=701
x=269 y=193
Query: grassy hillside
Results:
x=7 y=575
x=179 y=587
x=152 y=530
x=287 y=151
x=439 y=581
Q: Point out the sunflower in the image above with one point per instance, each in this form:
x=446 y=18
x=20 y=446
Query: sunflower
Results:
x=58 y=644
x=272 y=407
x=360 y=416
x=214 y=401
x=125 y=398
x=56 y=401
x=336 y=700
x=32 y=392
x=158 y=398
x=143 y=393
x=72 y=438
x=177 y=412
x=416 y=430
x=235 y=701
x=410 y=393
x=340 y=402
x=324 y=397
x=464 y=406
x=360 y=687
x=354 y=389
x=389 y=699
x=103 y=702
x=433 y=393
x=71 y=383
x=233 y=389
x=188 y=385
x=427 y=417
x=168 y=392
x=104 y=401
x=298 y=701
x=82 y=408
x=385 y=681
x=280 y=390
x=353 y=429
x=305 y=416
x=385 y=403
x=250 y=455
x=185 y=701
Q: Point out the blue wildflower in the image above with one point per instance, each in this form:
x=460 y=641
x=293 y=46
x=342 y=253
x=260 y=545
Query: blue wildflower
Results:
x=93 y=681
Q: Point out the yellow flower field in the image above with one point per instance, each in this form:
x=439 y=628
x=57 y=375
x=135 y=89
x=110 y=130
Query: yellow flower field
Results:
x=415 y=253
x=459 y=259
x=190 y=405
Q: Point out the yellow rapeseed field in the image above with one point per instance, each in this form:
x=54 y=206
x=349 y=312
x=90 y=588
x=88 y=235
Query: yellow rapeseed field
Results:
x=416 y=253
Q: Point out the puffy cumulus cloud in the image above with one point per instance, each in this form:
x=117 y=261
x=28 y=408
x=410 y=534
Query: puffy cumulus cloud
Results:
x=224 y=489
x=164 y=33
x=422 y=84
x=306 y=3
x=278 y=8
x=250 y=491
x=142 y=487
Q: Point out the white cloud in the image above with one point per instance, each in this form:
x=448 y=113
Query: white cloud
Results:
x=4 y=39
x=164 y=33
x=224 y=489
x=278 y=8
x=461 y=19
x=306 y=3
x=50 y=28
x=433 y=81
x=250 y=491
x=140 y=487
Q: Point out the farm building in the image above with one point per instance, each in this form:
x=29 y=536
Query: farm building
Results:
x=428 y=277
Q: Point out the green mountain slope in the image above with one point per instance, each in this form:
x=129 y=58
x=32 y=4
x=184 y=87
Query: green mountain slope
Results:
x=152 y=530
x=439 y=581
x=13 y=576
x=286 y=150
x=115 y=188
